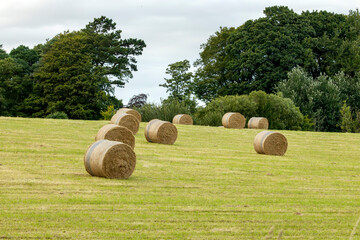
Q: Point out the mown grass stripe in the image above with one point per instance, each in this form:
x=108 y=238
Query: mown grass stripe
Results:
x=210 y=185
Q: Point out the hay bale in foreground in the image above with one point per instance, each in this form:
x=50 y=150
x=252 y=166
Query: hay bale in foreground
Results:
x=110 y=159
x=233 y=120
x=126 y=120
x=271 y=143
x=258 y=123
x=130 y=111
x=115 y=132
x=158 y=131
x=182 y=119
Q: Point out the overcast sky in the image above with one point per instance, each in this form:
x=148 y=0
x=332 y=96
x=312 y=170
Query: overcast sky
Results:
x=173 y=30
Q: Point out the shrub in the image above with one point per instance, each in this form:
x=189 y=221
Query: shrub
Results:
x=110 y=111
x=221 y=105
x=58 y=115
x=165 y=111
x=308 y=124
x=347 y=122
x=281 y=112
x=208 y=118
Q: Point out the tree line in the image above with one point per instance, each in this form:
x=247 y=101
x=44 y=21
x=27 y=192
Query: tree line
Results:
x=311 y=58
x=72 y=73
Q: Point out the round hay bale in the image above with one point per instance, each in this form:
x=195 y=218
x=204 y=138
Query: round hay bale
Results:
x=233 y=120
x=118 y=133
x=126 y=120
x=182 y=119
x=158 y=131
x=130 y=111
x=110 y=159
x=258 y=123
x=270 y=143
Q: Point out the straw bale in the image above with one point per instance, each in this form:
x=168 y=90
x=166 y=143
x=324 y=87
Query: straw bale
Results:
x=270 y=143
x=158 y=131
x=126 y=120
x=110 y=159
x=233 y=120
x=258 y=123
x=118 y=133
x=130 y=111
x=182 y=119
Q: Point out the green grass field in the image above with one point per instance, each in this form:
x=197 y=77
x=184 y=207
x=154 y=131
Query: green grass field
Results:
x=210 y=184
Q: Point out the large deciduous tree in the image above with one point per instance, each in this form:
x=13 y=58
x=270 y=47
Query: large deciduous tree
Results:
x=112 y=56
x=259 y=53
x=3 y=53
x=210 y=79
x=15 y=79
x=78 y=70
x=25 y=56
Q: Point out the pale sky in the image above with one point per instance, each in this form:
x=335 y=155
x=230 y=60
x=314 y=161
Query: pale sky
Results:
x=173 y=30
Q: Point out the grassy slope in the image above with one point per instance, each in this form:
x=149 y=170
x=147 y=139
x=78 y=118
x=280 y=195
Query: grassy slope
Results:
x=209 y=185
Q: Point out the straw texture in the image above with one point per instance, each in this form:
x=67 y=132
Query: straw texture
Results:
x=182 y=119
x=126 y=120
x=233 y=120
x=110 y=159
x=130 y=111
x=258 y=123
x=118 y=133
x=270 y=143
x=158 y=131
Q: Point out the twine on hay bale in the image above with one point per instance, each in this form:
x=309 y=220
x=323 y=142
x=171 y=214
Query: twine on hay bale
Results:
x=130 y=111
x=158 y=131
x=118 y=133
x=110 y=159
x=258 y=123
x=233 y=120
x=270 y=143
x=126 y=120
x=182 y=119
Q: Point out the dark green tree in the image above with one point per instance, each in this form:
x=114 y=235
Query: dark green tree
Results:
x=63 y=82
x=25 y=56
x=259 y=53
x=78 y=71
x=3 y=53
x=111 y=56
x=210 y=79
x=15 y=86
